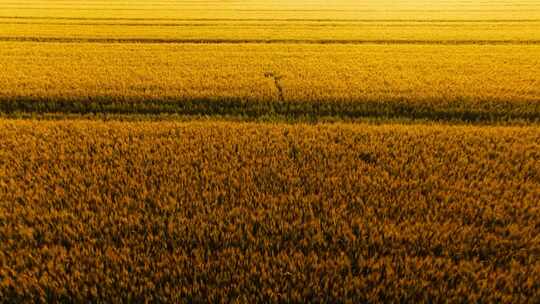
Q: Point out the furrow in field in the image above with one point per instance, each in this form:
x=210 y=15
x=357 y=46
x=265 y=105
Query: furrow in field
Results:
x=204 y=13
x=265 y=41
x=264 y=19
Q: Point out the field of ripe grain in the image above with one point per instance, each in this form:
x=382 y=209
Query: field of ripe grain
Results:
x=444 y=61
x=221 y=211
x=275 y=9
x=440 y=82
x=436 y=32
x=251 y=151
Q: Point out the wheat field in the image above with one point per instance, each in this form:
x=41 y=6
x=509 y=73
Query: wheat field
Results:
x=198 y=151
x=443 y=61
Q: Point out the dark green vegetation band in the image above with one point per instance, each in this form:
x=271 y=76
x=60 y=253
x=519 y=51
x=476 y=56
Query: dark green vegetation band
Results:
x=457 y=110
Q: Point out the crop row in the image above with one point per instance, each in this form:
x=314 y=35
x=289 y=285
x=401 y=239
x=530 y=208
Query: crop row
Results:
x=190 y=212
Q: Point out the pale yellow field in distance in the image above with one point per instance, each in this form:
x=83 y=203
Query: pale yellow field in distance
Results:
x=276 y=9
x=273 y=20
x=310 y=31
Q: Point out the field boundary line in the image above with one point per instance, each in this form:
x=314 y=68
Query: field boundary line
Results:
x=264 y=41
x=267 y=19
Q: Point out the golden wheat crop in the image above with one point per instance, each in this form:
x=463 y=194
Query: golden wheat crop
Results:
x=275 y=9
x=224 y=211
x=306 y=72
x=214 y=211
x=451 y=60
x=502 y=80
x=292 y=31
